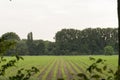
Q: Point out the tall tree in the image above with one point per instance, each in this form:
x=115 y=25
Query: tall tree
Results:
x=6 y=45
x=40 y=48
x=119 y=28
x=10 y=36
x=21 y=48
x=30 y=36
x=108 y=50
x=30 y=43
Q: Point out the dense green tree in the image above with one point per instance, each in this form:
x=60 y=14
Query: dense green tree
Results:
x=35 y=47
x=21 y=48
x=40 y=47
x=22 y=74
x=108 y=50
x=49 y=48
x=5 y=45
x=30 y=36
x=68 y=42
x=87 y=41
x=89 y=38
x=30 y=44
x=10 y=36
x=8 y=39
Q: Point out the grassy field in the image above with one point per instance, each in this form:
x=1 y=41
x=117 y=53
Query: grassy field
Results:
x=54 y=67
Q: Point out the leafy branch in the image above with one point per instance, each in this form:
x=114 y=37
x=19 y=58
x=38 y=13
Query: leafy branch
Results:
x=99 y=70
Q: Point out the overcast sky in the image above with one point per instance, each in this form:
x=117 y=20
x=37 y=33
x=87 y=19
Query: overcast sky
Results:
x=45 y=17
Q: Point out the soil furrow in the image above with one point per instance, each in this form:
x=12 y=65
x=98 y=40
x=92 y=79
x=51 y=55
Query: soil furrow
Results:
x=45 y=69
x=69 y=76
x=59 y=71
x=82 y=71
x=50 y=74
x=75 y=71
x=78 y=66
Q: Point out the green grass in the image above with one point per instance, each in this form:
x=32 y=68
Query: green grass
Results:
x=45 y=64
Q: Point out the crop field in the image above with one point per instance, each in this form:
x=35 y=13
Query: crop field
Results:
x=56 y=67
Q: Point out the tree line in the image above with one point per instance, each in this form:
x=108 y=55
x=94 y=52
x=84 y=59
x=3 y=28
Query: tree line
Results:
x=90 y=41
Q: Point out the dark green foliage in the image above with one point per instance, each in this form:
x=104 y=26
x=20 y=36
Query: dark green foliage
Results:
x=108 y=50
x=10 y=36
x=35 y=47
x=117 y=74
x=30 y=43
x=92 y=59
x=22 y=48
x=9 y=64
x=40 y=47
x=68 y=42
x=50 y=48
x=82 y=76
x=90 y=41
x=24 y=74
x=30 y=36
x=5 y=45
x=5 y=65
x=97 y=71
